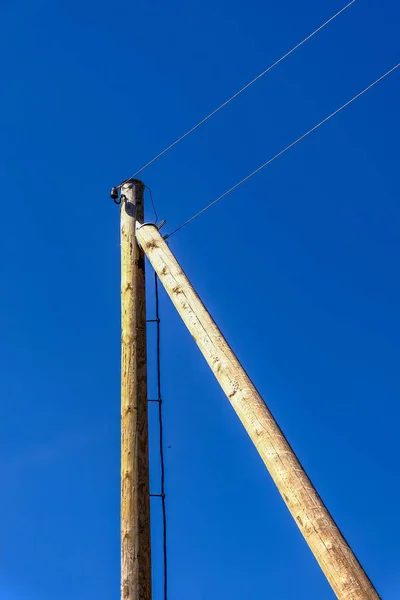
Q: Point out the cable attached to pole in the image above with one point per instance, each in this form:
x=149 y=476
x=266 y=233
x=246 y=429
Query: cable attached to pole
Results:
x=244 y=88
x=159 y=401
x=160 y=419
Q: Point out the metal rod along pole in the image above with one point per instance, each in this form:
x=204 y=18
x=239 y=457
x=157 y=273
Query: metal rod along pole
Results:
x=135 y=497
x=336 y=559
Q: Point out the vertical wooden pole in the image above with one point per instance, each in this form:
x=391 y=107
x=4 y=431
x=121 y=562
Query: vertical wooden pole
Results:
x=135 y=497
x=334 y=555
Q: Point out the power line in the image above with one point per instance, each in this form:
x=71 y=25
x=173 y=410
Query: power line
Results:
x=281 y=152
x=152 y=202
x=214 y=112
x=160 y=418
x=159 y=400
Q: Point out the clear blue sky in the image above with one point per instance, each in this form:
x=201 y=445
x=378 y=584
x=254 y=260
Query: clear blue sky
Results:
x=299 y=268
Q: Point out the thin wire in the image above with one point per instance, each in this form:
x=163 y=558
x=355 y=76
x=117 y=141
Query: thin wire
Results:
x=214 y=112
x=281 y=152
x=160 y=419
x=152 y=202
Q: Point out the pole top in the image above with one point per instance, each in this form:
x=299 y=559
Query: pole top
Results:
x=131 y=181
x=127 y=183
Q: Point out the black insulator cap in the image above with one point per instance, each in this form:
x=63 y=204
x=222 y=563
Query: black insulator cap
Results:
x=114 y=193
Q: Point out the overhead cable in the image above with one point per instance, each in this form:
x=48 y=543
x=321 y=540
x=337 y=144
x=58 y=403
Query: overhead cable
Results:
x=250 y=83
x=282 y=152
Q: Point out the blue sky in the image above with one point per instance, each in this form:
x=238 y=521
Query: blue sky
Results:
x=299 y=267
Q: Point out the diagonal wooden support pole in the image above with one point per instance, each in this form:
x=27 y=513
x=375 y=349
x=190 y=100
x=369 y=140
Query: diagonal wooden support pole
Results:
x=335 y=557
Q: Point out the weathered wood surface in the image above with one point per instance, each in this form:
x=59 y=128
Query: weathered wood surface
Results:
x=335 y=557
x=135 y=498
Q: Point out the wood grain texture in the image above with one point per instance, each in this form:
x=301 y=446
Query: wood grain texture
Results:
x=135 y=497
x=336 y=559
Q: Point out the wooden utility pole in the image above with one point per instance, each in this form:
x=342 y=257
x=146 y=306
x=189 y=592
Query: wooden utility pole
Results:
x=135 y=497
x=335 y=557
